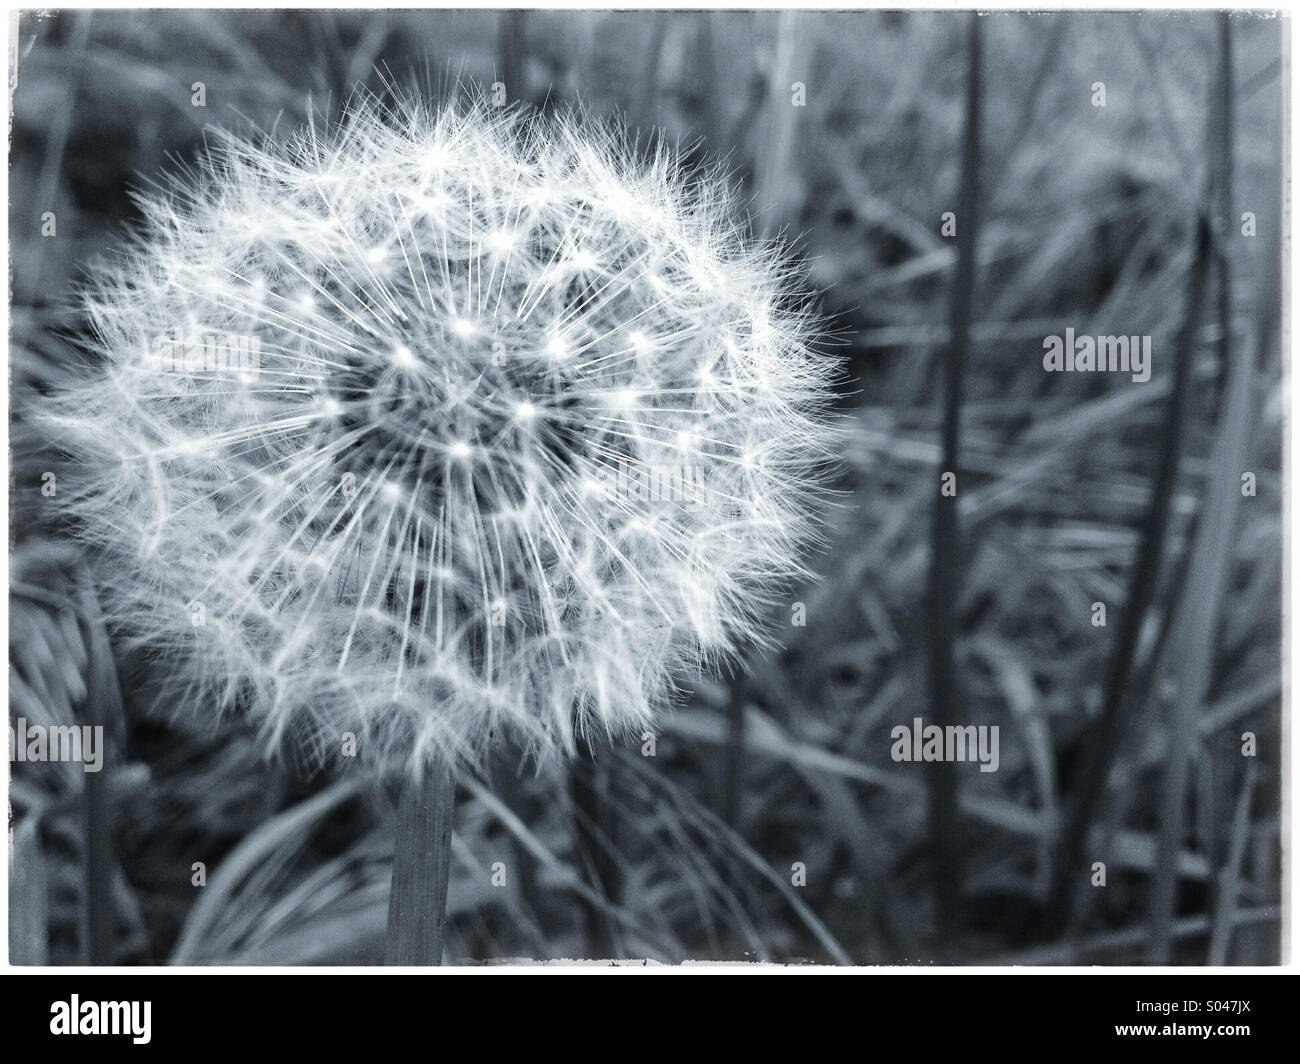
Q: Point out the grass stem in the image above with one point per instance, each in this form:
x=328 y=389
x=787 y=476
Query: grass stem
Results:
x=1126 y=681
x=945 y=561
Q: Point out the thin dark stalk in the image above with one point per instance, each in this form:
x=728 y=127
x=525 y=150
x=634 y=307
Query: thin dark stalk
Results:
x=1119 y=693
x=98 y=917
x=512 y=52
x=417 y=903
x=944 y=574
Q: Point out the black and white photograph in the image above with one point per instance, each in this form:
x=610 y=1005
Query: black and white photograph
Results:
x=730 y=489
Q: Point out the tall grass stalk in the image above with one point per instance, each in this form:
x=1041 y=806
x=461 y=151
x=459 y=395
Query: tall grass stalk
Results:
x=945 y=559
x=1193 y=644
x=512 y=53
x=1126 y=680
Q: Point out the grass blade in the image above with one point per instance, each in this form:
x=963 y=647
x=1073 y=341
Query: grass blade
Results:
x=1192 y=647
x=945 y=562
x=1124 y=685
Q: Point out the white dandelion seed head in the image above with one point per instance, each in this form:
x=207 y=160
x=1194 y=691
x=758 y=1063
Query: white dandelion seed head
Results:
x=532 y=430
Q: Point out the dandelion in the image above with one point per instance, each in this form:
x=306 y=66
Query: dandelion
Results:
x=383 y=496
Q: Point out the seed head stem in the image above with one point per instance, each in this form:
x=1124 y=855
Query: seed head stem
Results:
x=417 y=903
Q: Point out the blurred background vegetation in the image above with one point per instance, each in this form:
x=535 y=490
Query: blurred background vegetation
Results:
x=1089 y=219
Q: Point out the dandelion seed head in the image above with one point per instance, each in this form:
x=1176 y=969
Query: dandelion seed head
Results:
x=435 y=510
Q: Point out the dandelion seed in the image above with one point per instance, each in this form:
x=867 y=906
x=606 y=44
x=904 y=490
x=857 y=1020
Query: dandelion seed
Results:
x=349 y=516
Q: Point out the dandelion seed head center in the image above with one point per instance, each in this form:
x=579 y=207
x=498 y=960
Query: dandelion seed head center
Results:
x=403 y=408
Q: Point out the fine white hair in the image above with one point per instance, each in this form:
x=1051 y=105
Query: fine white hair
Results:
x=442 y=423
